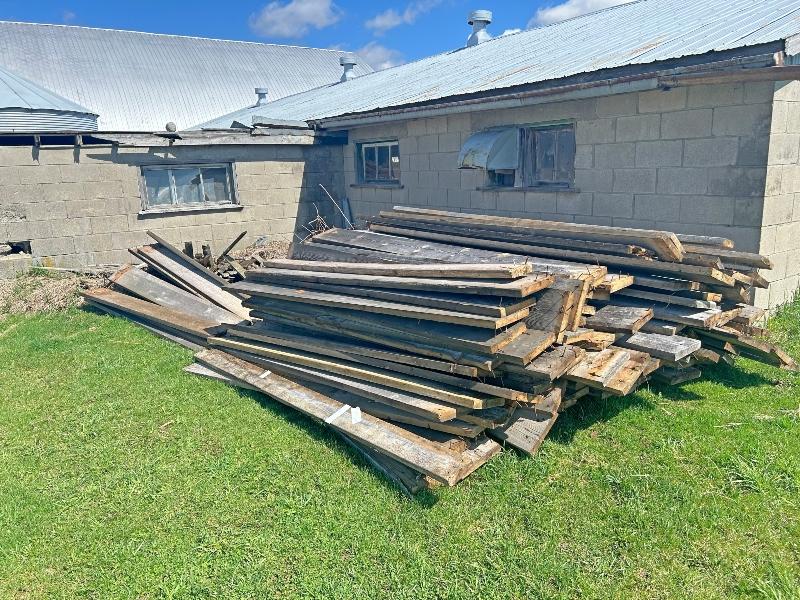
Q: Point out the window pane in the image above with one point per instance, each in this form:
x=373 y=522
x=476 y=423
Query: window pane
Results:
x=215 y=185
x=565 y=156
x=395 y=161
x=370 y=166
x=187 y=185
x=384 y=169
x=545 y=155
x=157 y=183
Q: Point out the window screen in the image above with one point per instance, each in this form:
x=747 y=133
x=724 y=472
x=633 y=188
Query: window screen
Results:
x=197 y=185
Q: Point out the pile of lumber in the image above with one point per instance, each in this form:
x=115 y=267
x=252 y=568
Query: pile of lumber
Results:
x=434 y=338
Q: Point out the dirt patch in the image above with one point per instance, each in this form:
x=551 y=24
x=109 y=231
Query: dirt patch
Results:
x=40 y=291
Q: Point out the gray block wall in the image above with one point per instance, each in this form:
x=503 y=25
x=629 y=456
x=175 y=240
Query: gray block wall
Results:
x=80 y=206
x=696 y=160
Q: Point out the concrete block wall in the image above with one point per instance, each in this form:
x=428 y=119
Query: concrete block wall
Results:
x=690 y=160
x=80 y=207
x=780 y=232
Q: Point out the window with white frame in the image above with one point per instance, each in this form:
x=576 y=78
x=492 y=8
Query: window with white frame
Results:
x=199 y=186
x=523 y=157
x=378 y=162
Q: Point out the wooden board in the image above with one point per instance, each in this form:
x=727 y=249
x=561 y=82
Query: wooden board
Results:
x=160 y=316
x=614 y=282
x=516 y=288
x=598 y=368
x=664 y=243
x=200 y=284
x=139 y=283
x=705 y=240
x=749 y=259
x=438 y=271
x=553 y=364
x=457 y=337
x=492 y=306
x=362 y=372
x=403 y=246
x=526 y=347
x=526 y=430
x=342 y=347
x=668 y=299
x=669 y=347
x=382 y=307
x=619 y=319
x=409 y=449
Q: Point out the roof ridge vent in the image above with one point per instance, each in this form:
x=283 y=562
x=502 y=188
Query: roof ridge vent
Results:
x=263 y=96
x=479 y=19
x=348 y=61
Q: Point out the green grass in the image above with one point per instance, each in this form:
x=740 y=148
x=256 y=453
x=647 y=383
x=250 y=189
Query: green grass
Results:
x=123 y=477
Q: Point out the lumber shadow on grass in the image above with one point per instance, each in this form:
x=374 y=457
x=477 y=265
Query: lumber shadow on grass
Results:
x=326 y=436
x=590 y=411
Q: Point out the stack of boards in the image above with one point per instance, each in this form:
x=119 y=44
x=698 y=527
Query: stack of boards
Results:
x=426 y=354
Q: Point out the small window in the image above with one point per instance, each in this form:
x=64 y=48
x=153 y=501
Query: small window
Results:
x=523 y=157
x=378 y=162
x=187 y=186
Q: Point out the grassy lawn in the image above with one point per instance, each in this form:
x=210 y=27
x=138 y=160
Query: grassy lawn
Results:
x=122 y=476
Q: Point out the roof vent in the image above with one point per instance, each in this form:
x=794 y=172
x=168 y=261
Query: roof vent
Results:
x=479 y=19
x=261 y=94
x=348 y=61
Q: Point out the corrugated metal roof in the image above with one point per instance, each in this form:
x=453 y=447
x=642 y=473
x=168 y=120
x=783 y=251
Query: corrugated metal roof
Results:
x=25 y=106
x=636 y=33
x=139 y=81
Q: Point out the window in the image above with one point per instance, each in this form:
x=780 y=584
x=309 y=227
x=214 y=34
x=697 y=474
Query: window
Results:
x=523 y=157
x=378 y=162
x=189 y=186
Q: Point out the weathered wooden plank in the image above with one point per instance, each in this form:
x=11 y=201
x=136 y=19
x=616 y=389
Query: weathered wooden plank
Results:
x=749 y=259
x=315 y=324
x=526 y=430
x=674 y=376
x=188 y=261
x=589 y=338
x=526 y=347
x=516 y=288
x=439 y=271
x=383 y=307
x=467 y=339
x=342 y=347
x=661 y=327
x=662 y=242
x=681 y=314
x=619 y=319
x=598 y=368
x=182 y=338
x=632 y=372
x=613 y=282
x=362 y=372
x=391 y=219
x=491 y=306
x=669 y=347
x=409 y=449
x=706 y=240
x=198 y=283
x=553 y=364
x=408 y=247
x=161 y=316
x=669 y=299
x=140 y=283
x=665 y=283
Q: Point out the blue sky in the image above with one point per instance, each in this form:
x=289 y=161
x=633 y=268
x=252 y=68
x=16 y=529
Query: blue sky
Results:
x=385 y=32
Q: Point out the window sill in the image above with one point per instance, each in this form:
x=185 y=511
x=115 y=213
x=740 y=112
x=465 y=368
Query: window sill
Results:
x=391 y=186
x=170 y=210
x=545 y=189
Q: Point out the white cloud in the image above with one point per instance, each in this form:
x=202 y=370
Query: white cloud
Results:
x=68 y=16
x=380 y=57
x=390 y=18
x=570 y=9
x=294 y=19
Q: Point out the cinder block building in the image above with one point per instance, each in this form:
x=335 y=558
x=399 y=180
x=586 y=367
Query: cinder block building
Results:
x=659 y=114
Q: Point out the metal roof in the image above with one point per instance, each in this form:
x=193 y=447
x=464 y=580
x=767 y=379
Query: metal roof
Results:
x=139 y=81
x=25 y=106
x=630 y=34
